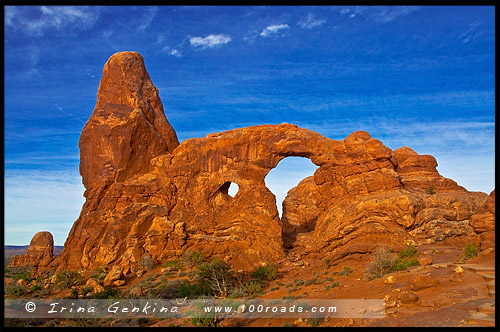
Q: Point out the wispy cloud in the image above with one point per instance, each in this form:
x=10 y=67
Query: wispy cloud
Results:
x=471 y=33
x=379 y=14
x=30 y=198
x=38 y=21
x=147 y=18
x=273 y=29
x=310 y=21
x=209 y=41
x=388 y=14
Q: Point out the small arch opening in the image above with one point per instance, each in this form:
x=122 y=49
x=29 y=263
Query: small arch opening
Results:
x=287 y=175
x=233 y=189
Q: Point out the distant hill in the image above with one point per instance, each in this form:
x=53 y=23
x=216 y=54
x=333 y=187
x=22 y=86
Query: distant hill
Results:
x=11 y=251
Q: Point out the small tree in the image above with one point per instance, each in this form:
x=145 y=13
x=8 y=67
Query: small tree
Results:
x=217 y=274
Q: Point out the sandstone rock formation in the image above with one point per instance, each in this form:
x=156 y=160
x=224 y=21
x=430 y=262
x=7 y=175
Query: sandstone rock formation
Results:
x=148 y=196
x=483 y=222
x=40 y=252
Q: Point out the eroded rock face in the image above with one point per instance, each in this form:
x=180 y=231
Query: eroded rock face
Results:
x=149 y=197
x=483 y=222
x=40 y=252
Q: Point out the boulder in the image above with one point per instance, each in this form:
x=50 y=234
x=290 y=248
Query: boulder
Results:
x=420 y=282
x=115 y=274
x=408 y=297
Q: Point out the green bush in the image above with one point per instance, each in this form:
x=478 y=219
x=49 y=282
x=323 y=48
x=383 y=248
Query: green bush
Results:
x=192 y=258
x=409 y=252
x=333 y=285
x=99 y=273
x=346 y=271
x=15 y=291
x=311 y=281
x=404 y=264
x=68 y=279
x=107 y=293
x=327 y=263
x=431 y=190
x=267 y=272
x=193 y=290
x=35 y=288
x=315 y=322
x=299 y=282
x=175 y=264
x=470 y=251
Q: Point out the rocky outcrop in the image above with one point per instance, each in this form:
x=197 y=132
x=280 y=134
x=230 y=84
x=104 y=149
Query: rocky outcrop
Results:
x=149 y=198
x=483 y=222
x=40 y=252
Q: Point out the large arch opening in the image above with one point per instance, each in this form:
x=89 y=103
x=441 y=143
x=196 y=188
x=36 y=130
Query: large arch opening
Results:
x=287 y=175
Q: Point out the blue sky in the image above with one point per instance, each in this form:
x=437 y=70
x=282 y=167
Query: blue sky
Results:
x=421 y=77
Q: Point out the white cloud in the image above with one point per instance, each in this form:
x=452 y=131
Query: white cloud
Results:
x=51 y=17
x=175 y=53
x=209 y=41
x=273 y=29
x=310 y=22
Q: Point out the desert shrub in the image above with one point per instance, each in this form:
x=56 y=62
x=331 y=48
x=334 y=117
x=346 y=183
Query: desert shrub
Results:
x=328 y=279
x=193 y=290
x=85 y=290
x=22 y=322
x=299 y=282
x=192 y=258
x=68 y=279
x=346 y=271
x=333 y=285
x=143 y=320
x=248 y=289
x=51 y=323
x=274 y=288
x=147 y=262
x=383 y=262
x=328 y=263
x=15 y=291
x=311 y=281
x=175 y=264
x=202 y=318
x=107 y=293
x=218 y=275
x=431 y=190
x=409 y=252
x=74 y=292
x=181 y=274
x=87 y=322
x=403 y=264
x=288 y=285
x=470 y=251
x=99 y=273
x=35 y=288
x=406 y=258
x=315 y=321
x=267 y=272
